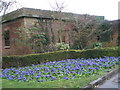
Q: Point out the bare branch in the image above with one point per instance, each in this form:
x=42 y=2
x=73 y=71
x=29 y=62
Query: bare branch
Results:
x=58 y=6
x=5 y=5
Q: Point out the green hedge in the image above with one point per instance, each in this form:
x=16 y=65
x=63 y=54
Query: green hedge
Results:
x=25 y=60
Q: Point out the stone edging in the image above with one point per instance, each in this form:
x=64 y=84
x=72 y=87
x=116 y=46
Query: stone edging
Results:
x=100 y=80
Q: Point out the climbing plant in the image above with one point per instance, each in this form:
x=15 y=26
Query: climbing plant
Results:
x=105 y=31
x=36 y=37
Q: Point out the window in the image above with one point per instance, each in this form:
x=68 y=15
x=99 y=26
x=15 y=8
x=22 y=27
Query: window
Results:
x=63 y=39
x=7 y=38
x=98 y=38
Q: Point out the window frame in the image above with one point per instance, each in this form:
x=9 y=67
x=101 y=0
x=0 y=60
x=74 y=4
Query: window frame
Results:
x=6 y=39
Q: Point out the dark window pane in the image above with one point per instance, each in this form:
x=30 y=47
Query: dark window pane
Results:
x=7 y=38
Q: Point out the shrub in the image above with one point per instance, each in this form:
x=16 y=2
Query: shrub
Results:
x=25 y=60
x=97 y=45
x=17 y=61
x=63 y=46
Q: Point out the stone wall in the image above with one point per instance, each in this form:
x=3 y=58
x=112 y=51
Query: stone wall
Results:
x=12 y=27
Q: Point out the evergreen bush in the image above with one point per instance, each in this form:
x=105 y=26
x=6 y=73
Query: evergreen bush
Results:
x=26 y=60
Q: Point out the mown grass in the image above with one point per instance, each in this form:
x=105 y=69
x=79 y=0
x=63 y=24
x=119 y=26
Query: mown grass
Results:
x=71 y=83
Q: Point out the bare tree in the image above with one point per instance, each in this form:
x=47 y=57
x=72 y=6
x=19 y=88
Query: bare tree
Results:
x=83 y=32
x=59 y=7
x=5 y=6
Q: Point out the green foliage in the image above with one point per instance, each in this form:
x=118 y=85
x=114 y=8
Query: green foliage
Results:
x=105 y=25
x=62 y=46
x=97 y=45
x=105 y=36
x=36 y=37
x=93 y=53
x=39 y=35
x=26 y=60
x=39 y=39
x=105 y=31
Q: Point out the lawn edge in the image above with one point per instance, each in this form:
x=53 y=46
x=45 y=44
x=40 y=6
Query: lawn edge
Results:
x=100 y=80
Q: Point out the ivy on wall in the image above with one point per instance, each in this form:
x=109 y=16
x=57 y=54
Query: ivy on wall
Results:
x=51 y=28
x=105 y=36
x=105 y=31
x=118 y=38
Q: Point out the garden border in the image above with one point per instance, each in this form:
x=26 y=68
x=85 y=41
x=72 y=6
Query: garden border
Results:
x=27 y=60
x=101 y=80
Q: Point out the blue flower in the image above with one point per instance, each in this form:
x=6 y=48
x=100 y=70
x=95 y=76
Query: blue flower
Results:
x=37 y=77
x=77 y=68
x=97 y=68
x=74 y=77
x=24 y=78
x=59 y=72
x=59 y=68
x=33 y=65
x=37 y=69
x=39 y=72
x=88 y=72
x=73 y=72
x=66 y=78
x=10 y=78
x=48 y=75
x=30 y=79
x=20 y=78
x=67 y=71
x=105 y=65
x=41 y=80
x=53 y=72
x=54 y=78
x=79 y=72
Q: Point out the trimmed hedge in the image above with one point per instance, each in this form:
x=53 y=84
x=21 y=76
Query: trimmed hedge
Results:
x=26 y=60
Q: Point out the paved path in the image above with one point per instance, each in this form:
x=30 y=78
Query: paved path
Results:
x=113 y=82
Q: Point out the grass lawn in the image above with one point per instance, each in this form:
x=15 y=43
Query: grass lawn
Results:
x=72 y=83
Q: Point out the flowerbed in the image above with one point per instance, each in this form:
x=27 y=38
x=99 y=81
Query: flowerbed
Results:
x=56 y=70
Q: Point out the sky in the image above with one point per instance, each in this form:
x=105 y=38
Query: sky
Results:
x=107 y=8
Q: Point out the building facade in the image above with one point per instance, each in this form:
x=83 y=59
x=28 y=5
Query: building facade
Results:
x=50 y=20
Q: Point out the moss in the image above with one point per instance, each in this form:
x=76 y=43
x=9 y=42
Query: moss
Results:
x=26 y=60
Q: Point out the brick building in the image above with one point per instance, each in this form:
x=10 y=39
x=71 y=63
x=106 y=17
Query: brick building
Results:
x=115 y=34
x=27 y=18
x=112 y=36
